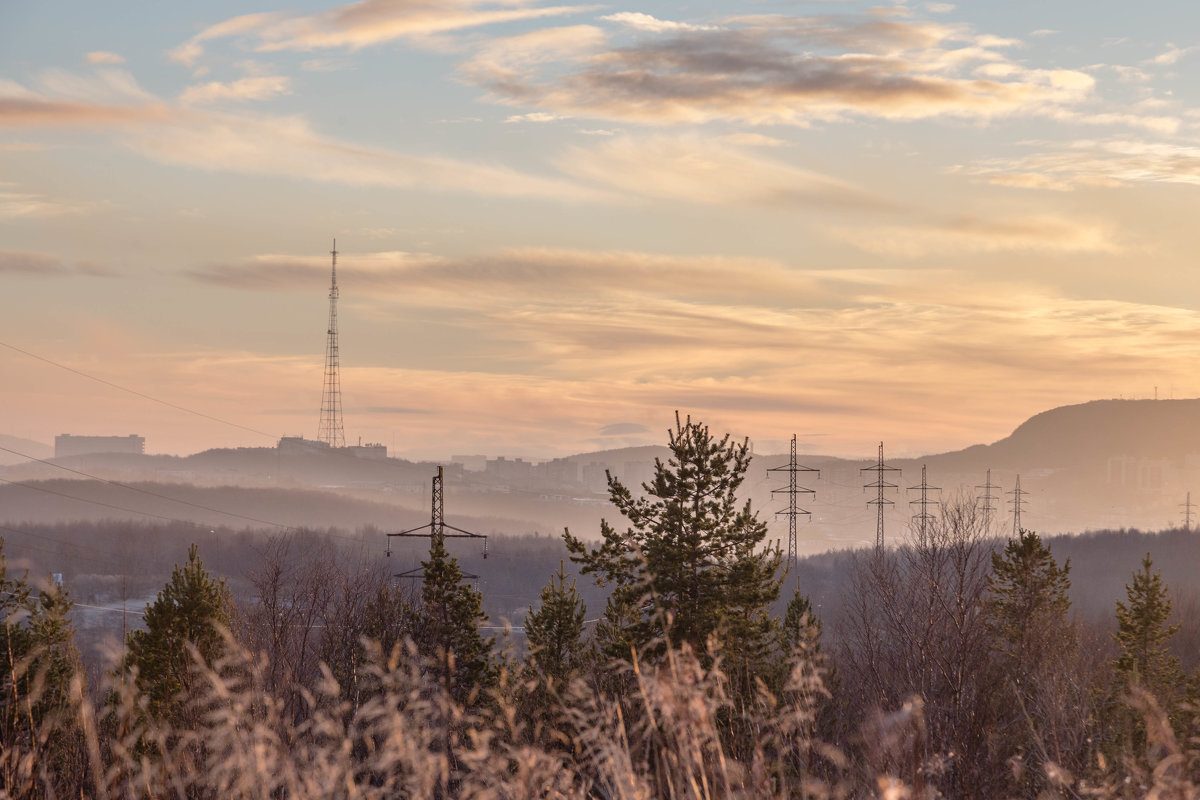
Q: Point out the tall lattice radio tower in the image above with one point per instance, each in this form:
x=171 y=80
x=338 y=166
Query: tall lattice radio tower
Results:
x=331 y=431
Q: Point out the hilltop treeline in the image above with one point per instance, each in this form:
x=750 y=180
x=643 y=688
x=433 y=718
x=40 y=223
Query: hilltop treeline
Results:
x=953 y=665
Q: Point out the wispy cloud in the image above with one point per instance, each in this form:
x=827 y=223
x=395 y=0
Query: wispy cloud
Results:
x=1044 y=233
x=535 y=116
x=690 y=169
x=255 y=88
x=111 y=97
x=288 y=146
x=18 y=204
x=34 y=264
x=773 y=69
x=264 y=145
x=363 y=24
x=1084 y=163
x=532 y=273
x=104 y=57
x=1170 y=57
x=752 y=139
x=645 y=22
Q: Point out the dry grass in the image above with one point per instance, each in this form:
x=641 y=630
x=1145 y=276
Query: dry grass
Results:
x=662 y=739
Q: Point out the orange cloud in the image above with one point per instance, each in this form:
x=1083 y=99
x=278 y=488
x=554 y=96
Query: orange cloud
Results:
x=689 y=169
x=365 y=23
x=255 y=88
x=965 y=234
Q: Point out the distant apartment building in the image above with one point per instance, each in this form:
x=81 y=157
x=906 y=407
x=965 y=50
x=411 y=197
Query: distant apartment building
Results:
x=516 y=470
x=1133 y=472
x=67 y=444
x=299 y=446
x=595 y=477
x=559 y=472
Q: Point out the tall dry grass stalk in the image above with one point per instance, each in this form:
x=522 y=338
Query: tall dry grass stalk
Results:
x=667 y=738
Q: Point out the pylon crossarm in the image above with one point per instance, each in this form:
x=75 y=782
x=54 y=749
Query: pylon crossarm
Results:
x=463 y=534
x=411 y=530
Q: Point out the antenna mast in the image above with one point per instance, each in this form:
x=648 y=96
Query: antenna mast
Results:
x=330 y=430
x=791 y=490
x=880 y=501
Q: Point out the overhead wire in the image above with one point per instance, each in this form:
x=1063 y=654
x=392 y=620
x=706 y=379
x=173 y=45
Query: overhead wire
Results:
x=143 y=395
x=146 y=491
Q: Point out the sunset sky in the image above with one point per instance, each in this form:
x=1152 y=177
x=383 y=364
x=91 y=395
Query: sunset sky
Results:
x=915 y=222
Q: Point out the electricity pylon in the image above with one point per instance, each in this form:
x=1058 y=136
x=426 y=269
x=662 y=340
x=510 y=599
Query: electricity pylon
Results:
x=791 y=490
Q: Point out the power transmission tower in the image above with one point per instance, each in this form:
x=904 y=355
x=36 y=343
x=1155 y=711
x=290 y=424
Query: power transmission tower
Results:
x=791 y=490
x=924 y=518
x=1017 y=503
x=880 y=501
x=435 y=529
x=1187 y=512
x=988 y=499
x=330 y=430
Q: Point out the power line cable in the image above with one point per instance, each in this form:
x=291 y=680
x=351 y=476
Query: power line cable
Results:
x=147 y=491
x=136 y=393
x=95 y=502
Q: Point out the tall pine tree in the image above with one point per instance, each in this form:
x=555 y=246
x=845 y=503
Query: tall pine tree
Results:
x=189 y=612
x=448 y=628
x=1142 y=635
x=689 y=564
x=554 y=631
x=1033 y=644
x=1027 y=601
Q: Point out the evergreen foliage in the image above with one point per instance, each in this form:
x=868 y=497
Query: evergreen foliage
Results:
x=800 y=628
x=191 y=612
x=688 y=565
x=1027 y=600
x=554 y=631
x=1143 y=632
x=448 y=626
x=1033 y=676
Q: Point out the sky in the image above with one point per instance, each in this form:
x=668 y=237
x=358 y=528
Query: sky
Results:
x=915 y=222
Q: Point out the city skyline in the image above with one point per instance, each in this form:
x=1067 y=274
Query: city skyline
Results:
x=915 y=222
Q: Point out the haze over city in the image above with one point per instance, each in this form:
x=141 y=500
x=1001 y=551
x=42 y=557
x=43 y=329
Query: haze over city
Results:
x=917 y=222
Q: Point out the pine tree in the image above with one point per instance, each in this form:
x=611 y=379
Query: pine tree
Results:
x=448 y=628
x=190 y=611
x=1033 y=644
x=1142 y=636
x=554 y=631
x=800 y=628
x=687 y=566
x=1027 y=604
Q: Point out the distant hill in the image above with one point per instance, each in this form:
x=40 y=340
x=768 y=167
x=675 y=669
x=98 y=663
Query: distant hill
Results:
x=1096 y=430
x=27 y=446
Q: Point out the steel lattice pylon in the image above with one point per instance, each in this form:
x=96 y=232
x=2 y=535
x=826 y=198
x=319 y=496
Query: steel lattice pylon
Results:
x=437 y=528
x=924 y=519
x=791 y=490
x=330 y=430
x=880 y=501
